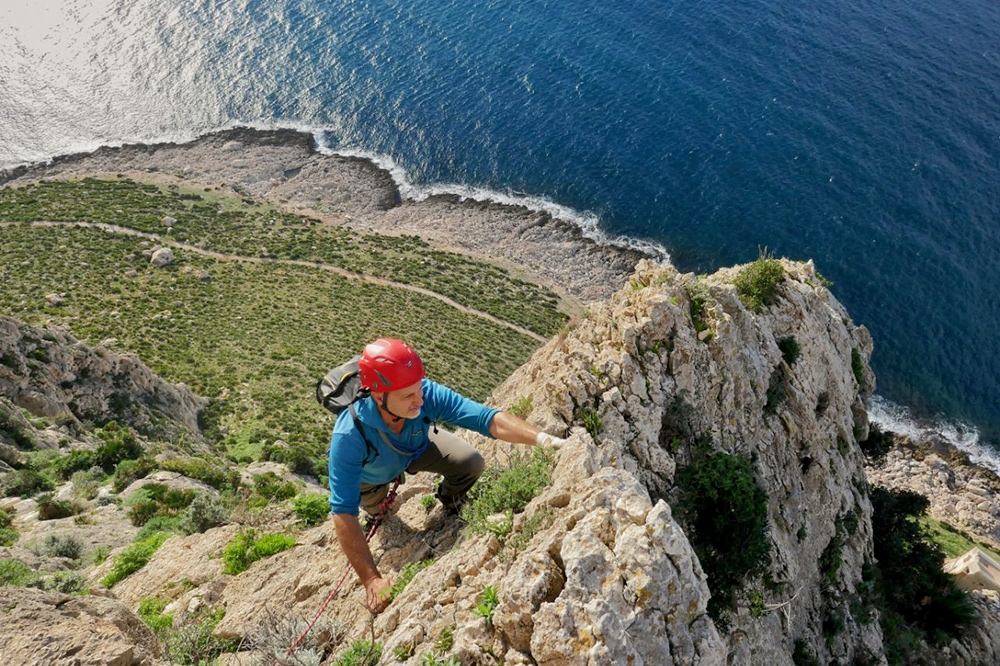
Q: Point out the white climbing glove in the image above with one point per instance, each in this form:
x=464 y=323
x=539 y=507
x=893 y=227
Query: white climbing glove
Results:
x=545 y=439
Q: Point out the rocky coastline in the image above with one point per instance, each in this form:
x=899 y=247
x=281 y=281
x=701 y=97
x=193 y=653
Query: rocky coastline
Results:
x=284 y=168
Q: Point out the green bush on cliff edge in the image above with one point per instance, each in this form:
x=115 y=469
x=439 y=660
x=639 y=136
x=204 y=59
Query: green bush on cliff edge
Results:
x=757 y=282
x=726 y=513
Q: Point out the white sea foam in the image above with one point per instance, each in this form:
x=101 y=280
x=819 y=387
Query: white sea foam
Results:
x=899 y=419
x=588 y=223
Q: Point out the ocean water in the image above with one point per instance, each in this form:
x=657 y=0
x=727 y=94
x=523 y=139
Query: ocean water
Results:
x=864 y=135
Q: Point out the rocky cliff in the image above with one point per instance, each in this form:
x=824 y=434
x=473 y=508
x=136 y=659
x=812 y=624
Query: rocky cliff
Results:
x=51 y=374
x=670 y=371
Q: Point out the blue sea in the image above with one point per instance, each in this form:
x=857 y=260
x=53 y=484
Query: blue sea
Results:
x=863 y=135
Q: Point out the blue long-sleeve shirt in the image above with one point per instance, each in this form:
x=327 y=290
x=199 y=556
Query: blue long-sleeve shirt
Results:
x=348 y=469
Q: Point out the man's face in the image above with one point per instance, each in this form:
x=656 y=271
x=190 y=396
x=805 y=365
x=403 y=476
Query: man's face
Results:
x=407 y=402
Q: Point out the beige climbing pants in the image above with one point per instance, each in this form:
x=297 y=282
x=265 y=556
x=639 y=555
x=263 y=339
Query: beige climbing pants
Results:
x=457 y=461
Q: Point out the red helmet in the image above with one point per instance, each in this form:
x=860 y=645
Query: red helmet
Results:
x=389 y=365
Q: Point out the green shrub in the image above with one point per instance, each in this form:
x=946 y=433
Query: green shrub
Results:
x=757 y=282
x=777 y=391
x=62 y=546
x=507 y=490
x=204 y=471
x=488 y=602
x=194 y=643
x=74 y=461
x=118 y=444
x=789 y=350
x=913 y=584
x=66 y=582
x=410 y=570
x=205 y=512
x=272 y=488
x=360 y=653
x=151 y=612
x=246 y=548
x=129 y=471
x=100 y=554
x=446 y=639
x=529 y=528
x=133 y=558
x=25 y=483
x=296 y=458
x=18 y=430
x=857 y=367
x=590 y=420
x=311 y=508
x=156 y=500
x=50 y=508
x=878 y=444
x=522 y=407
x=142 y=512
x=15 y=573
x=8 y=536
x=698 y=297
x=167 y=524
x=726 y=513
x=85 y=485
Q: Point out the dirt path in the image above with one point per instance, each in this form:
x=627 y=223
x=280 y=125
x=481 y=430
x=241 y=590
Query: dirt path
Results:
x=291 y=262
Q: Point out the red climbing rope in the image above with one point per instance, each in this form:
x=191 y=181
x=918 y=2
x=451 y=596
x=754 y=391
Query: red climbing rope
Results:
x=383 y=508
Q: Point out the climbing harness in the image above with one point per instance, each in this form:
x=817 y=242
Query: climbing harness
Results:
x=383 y=508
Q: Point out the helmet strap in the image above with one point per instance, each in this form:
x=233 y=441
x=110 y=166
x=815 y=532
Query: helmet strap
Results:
x=396 y=418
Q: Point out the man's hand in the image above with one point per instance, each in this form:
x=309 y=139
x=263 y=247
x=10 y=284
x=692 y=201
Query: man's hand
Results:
x=545 y=439
x=378 y=593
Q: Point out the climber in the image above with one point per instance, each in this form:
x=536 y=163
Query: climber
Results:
x=394 y=429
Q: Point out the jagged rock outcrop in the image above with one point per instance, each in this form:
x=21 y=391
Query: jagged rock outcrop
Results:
x=656 y=383
x=51 y=374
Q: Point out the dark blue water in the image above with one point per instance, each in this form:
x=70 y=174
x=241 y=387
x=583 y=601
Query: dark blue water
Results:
x=863 y=135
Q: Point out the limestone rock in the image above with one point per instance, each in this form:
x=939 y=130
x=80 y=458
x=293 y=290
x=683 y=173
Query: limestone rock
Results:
x=162 y=257
x=51 y=374
x=42 y=628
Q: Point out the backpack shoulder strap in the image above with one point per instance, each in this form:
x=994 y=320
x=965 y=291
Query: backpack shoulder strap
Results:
x=371 y=453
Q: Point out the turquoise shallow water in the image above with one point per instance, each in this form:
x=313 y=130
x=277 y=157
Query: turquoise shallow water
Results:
x=865 y=136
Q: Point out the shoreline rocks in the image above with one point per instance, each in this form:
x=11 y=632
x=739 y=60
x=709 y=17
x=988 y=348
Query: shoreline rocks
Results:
x=284 y=167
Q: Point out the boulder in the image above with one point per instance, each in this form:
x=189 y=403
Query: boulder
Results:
x=162 y=257
x=42 y=628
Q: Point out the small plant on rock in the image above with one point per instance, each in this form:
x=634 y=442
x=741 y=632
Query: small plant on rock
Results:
x=62 y=546
x=246 y=548
x=360 y=653
x=50 y=508
x=789 y=350
x=311 y=508
x=134 y=558
x=488 y=602
x=410 y=570
x=507 y=490
x=8 y=535
x=757 y=282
